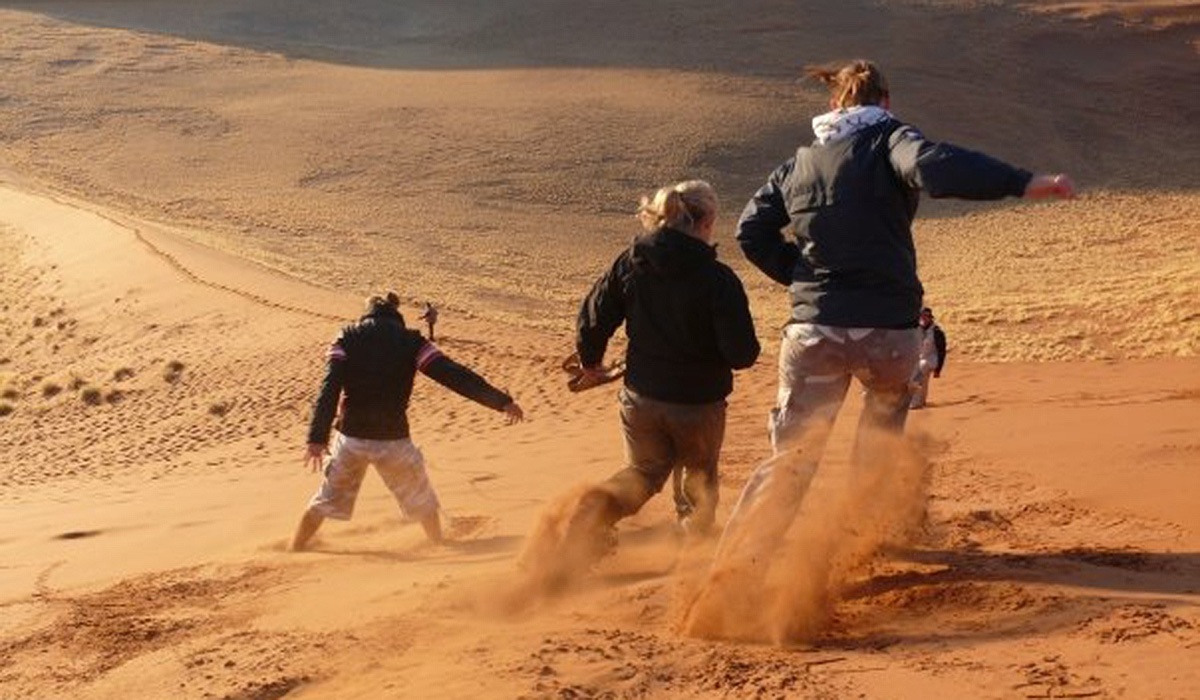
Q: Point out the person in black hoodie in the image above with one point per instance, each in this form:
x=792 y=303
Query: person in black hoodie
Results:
x=850 y=198
x=689 y=326
x=369 y=378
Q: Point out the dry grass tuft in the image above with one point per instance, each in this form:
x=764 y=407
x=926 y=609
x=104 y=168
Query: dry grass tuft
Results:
x=91 y=395
x=173 y=371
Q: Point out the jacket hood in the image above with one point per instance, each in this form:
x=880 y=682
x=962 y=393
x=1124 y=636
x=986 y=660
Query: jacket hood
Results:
x=841 y=124
x=669 y=253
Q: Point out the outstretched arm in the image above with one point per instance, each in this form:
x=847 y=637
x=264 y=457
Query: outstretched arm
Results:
x=602 y=313
x=945 y=170
x=461 y=380
x=760 y=229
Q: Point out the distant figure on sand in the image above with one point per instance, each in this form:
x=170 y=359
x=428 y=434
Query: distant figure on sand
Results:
x=850 y=198
x=689 y=325
x=430 y=318
x=932 y=358
x=372 y=365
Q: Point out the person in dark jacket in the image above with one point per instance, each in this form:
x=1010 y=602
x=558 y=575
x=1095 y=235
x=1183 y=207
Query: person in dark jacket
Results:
x=850 y=198
x=930 y=359
x=368 y=380
x=689 y=326
x=430 y=318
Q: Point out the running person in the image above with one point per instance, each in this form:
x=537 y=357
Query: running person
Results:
x=371 y=368
x=850 y=198
x=689 y=326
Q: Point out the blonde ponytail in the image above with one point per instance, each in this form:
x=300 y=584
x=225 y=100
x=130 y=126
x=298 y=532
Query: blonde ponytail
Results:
x=681 y=206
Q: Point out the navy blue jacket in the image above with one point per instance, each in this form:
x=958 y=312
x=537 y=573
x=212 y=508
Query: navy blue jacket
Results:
x=851 y=204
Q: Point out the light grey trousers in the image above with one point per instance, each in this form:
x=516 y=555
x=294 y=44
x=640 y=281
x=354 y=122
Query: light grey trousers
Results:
x=816 y=364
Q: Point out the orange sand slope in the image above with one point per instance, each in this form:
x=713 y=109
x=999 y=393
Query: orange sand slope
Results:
x=143 y=555
x=450 y=148
x=196 y=195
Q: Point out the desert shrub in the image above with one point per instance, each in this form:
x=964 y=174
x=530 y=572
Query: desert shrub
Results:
x=77 y=383
x=10 y=394
x=91 y=395
x=50 y=389
x=6 y=408
x=122 y=374
x=173 y=371
x=114 y=396
x=219 y=409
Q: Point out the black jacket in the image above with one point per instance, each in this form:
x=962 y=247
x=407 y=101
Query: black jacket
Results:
x=939 y=342
x=373 y=363
x=851 y=204
x=687 y=317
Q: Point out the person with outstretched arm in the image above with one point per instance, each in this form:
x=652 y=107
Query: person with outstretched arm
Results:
x=369 y=376
x=850 y=266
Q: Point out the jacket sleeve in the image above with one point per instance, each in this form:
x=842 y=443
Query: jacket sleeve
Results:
x=441 y=369
x=939 y=341
x=602 y=313
x=331 y=391
x=944 y=170
x=760 y=229
x=736 y=339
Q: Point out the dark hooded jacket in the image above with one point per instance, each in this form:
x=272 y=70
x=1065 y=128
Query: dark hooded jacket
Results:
x=686 y=316
x=373 y=363
x=851 y=204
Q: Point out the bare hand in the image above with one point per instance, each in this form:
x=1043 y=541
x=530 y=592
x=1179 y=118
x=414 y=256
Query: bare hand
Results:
x=513 y=413
x=1046 y=186
x=315 y=455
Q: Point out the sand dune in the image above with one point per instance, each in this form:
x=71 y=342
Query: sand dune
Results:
x=196 y=195
x=144 y=565
x=444 y=181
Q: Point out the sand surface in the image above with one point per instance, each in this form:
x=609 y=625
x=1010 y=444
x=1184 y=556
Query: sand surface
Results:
x=193 y=198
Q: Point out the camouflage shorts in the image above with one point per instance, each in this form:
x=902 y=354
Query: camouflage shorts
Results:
x=400 y=465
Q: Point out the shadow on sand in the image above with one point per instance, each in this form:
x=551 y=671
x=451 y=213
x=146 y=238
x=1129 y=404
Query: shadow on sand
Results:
x=769 y=39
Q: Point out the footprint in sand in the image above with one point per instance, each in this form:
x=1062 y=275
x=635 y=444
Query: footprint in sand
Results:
x=460 y=527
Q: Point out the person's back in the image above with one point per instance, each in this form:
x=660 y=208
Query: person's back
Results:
x=850 y=198
x=680 y=307
x=369 y=374
x=379 y=368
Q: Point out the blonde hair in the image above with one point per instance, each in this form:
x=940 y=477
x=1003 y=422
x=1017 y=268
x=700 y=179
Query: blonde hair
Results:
x=856 y=83
x=681 y=206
